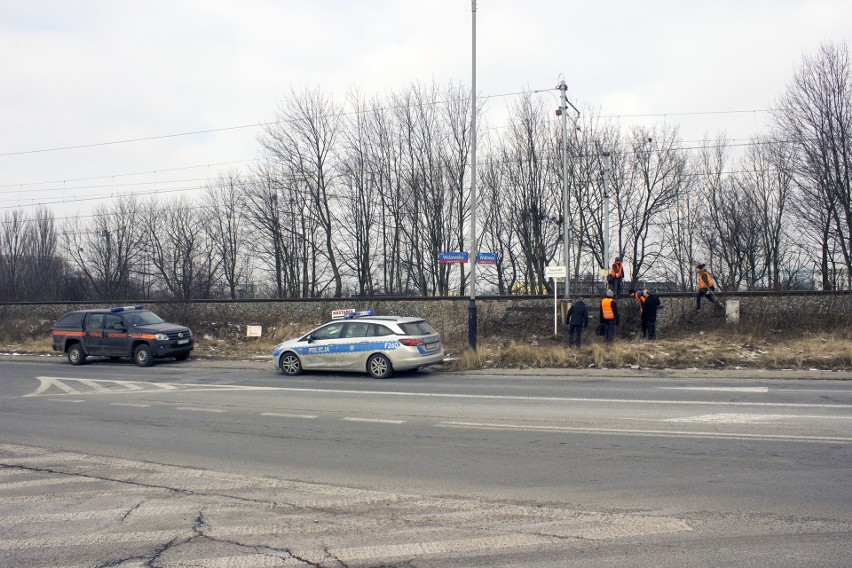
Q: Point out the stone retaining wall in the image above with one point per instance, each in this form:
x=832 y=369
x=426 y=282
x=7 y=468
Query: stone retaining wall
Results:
x=521 y=318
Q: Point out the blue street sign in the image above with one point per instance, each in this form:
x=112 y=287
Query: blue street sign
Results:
x=452 y=257
x=486 y=258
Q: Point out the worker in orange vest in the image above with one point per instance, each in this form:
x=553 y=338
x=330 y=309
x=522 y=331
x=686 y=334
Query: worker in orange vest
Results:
x=640 y=297
x=616 y=276
x=706 y=286
x=609 y=316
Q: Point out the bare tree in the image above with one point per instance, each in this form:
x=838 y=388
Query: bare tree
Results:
x=655 y=177
x=815 y=114
x=681 y=235
x=765 y=180
x=180 y=249
x=225 y=224
x=497 y=221
x=303 y=139
x=535 y=193
x=723 y=229
x=106 y=248
x=13 y=251
x=360 y=198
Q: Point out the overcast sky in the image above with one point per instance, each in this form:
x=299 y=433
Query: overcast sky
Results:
x=90 y=72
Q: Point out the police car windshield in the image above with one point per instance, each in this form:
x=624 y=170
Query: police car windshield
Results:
x=142 y=318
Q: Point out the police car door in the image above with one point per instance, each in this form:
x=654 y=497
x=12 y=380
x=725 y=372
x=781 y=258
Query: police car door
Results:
x=357 y=345
x=323 y=351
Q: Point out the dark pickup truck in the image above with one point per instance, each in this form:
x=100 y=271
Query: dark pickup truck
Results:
x=130 y=331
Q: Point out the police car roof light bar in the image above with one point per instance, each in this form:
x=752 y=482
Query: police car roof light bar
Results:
x=123 y=308
x=359 y=314
x=349 y=313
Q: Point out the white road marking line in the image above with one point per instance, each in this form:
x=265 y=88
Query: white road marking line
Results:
x=719 y=389
x=66 y=400
x=77 y=495
x=46 y=382
x=646 y=433
x=373 y=420
x=93 y=539
x=417 y=549
x=282 y=415
x=557 y=399
x=554 y=398
x=723 y=418
x=46 y=482
x=129 y=404
x=196 y=409
x=98 y=386
x=94 y=385
x=145 y=511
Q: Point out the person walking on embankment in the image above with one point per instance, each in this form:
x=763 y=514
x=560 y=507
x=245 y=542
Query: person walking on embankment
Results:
x=706 y=287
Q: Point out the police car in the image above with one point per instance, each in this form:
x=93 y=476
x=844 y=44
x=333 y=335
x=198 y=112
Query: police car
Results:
x=128 y=331
x=360 y=341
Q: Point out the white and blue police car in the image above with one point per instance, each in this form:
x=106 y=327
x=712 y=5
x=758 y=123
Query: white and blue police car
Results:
x=362 y=342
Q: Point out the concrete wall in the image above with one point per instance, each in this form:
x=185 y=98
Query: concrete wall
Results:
x=521 y=318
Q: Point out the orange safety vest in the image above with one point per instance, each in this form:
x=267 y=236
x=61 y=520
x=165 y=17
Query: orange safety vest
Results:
x=616 y=271
x=606 y=306
x=701 y=282
x=641 y=299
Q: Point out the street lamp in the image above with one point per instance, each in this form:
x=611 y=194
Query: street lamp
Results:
x=471 y=310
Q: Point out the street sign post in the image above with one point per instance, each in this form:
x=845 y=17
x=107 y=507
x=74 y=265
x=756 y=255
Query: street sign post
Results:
x=555 y=273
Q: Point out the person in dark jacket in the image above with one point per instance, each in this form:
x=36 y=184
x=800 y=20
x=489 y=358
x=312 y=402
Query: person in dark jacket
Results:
x=649 y=314
x=578 y=320
x=609 y=316
x=639 y=296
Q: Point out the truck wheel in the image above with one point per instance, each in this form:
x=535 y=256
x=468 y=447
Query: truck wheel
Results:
x=76 y=355
x=142 y=356
x=182 y=356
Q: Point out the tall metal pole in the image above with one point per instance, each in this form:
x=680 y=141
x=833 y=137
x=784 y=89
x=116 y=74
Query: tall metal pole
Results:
x=606 y=167
x=566 y=242
x=471 y=310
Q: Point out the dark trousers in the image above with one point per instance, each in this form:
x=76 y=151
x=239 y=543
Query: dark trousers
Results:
x=615 y=286
x=651 y=329
x=575 y=332
x=644 y=327
x=609 y=330
x=705 y=293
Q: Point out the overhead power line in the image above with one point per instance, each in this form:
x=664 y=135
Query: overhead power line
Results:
x=356 y=112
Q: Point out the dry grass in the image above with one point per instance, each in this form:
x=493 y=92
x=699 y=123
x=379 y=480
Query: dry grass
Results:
x=703 y=350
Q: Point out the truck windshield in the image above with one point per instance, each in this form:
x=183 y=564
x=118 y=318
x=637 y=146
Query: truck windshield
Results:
x=142 y=318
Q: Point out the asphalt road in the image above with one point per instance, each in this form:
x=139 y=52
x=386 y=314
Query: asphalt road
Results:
x=231 y=464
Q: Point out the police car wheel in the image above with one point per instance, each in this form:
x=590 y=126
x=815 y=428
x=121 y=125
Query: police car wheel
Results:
x=290 y=364
x=76 y=356
x=142 y=356
x=379 y=366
